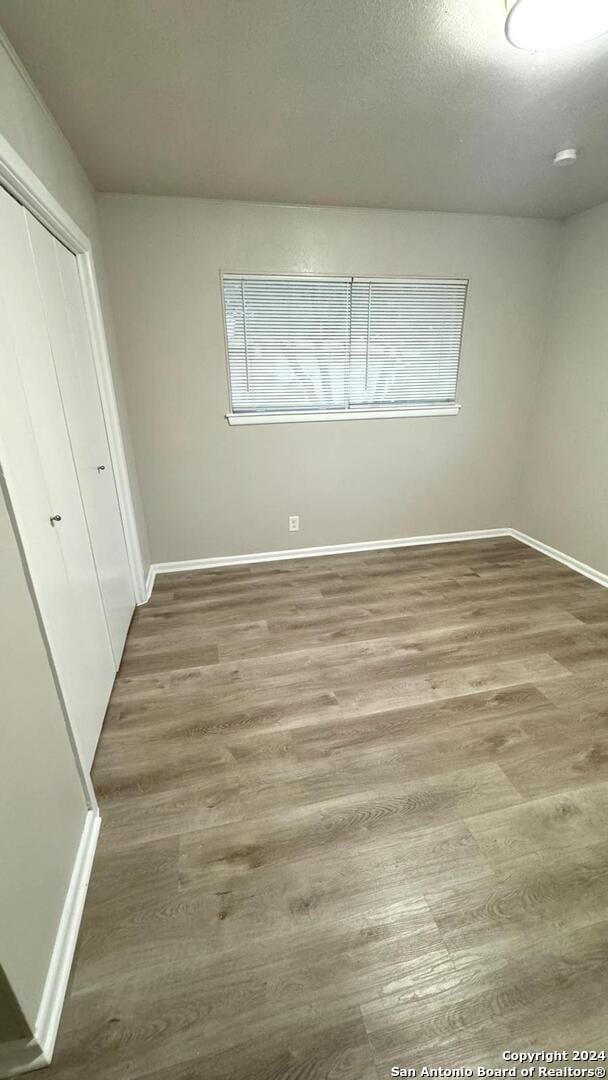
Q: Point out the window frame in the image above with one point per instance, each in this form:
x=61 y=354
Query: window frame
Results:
x=237 y=419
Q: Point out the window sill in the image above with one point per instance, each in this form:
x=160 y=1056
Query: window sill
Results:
x=236 y=419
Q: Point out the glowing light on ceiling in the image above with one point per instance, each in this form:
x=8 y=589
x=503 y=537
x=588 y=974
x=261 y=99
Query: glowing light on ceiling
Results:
x=538 y=25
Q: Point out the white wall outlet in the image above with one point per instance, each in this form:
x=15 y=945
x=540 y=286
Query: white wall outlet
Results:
x=294 y=522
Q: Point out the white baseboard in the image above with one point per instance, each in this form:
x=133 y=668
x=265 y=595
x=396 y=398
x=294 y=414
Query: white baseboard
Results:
x=560 y=556
x=369 y=545
x=56 y=984
x=314 y=552
x=148 y=585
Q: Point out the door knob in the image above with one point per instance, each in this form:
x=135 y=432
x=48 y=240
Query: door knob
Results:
x=101 y=468
x=55 y=517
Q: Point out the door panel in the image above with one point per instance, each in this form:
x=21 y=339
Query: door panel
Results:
x=75 y=367
x=42 y=482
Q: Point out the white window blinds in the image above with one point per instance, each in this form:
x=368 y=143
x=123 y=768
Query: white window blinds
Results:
x=338 y=345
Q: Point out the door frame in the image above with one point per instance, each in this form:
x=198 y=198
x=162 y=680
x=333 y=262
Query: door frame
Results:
x=21 y=182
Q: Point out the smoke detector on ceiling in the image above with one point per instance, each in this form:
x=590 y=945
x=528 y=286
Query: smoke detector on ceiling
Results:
x=565 y=157
x=539 y=25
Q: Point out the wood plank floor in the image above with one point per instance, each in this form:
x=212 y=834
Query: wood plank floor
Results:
x=355 y=815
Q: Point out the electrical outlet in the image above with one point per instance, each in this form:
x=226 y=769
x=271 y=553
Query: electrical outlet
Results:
x=294 y=523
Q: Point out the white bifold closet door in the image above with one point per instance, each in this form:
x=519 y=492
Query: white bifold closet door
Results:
x=38 y=453
x=68 y=331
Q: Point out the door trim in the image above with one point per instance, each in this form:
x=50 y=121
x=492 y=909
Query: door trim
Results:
x=19 y=180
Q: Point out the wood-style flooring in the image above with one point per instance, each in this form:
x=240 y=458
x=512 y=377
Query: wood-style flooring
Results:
x=355 y=815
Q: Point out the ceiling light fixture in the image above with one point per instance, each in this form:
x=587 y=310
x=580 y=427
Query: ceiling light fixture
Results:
x=538 y=25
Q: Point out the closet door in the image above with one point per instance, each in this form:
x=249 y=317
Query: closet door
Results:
x=70 y=343
x=43 y=486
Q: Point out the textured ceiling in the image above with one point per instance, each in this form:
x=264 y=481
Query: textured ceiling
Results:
x=417 y=104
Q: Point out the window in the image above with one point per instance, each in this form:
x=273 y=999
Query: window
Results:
x=309 y=348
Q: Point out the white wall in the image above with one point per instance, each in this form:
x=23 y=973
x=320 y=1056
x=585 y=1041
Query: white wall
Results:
x=42 y=804
x=210 y=489
x=563 y=495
